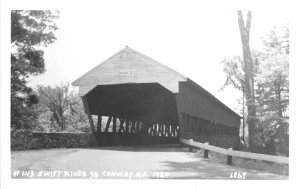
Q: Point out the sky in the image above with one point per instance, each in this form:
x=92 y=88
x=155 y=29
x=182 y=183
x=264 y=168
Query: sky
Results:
x=191 y=38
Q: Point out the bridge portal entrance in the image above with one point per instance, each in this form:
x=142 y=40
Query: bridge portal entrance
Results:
x=131 y=114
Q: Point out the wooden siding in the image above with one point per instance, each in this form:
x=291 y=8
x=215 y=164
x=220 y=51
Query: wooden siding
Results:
x=130 y=66
x=192 y=102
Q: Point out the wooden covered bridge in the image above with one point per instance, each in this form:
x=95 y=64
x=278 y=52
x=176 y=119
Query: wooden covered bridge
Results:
x=145 y=102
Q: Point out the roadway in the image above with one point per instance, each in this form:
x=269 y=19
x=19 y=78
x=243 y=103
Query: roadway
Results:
x=144 y=162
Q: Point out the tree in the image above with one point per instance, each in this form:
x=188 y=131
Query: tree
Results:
x=57 y=101
x=77 y=120
x=235 y=72
x=65 y=108
x=273 y=92
x=249 y=81
x=30 y=32
x=234 y=68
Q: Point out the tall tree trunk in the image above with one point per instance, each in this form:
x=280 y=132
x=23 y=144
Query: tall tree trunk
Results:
x=249 y=82
x=243 y=113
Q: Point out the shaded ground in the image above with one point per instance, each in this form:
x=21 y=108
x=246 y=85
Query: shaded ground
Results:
x=148 y=162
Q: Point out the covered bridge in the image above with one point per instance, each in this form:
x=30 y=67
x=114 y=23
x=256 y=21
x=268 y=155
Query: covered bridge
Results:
x=143 y=101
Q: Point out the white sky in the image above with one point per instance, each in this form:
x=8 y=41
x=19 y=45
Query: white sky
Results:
x=191 y=38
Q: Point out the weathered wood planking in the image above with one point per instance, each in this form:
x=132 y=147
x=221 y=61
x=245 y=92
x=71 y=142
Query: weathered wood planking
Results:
x=196 y=103
x=204 y=146
x=276 y=159
x=129 y=66
x=230 y=152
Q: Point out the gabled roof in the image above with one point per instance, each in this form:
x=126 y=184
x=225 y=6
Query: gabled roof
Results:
x=128 y=66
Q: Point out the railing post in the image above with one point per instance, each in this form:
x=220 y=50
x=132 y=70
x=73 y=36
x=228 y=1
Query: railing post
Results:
x=190 y=147
x=229 y=158
x=206 y=151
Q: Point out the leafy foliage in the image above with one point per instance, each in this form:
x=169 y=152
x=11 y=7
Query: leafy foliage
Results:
x=30 y=31
x=234 y=69
x=272 y=93
x=271 y=83
x=48 y=108
x=62 y=109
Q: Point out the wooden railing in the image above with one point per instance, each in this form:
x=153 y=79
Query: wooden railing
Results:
x=229 y=152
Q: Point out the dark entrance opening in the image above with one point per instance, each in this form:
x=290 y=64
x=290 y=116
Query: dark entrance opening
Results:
x=143 y=113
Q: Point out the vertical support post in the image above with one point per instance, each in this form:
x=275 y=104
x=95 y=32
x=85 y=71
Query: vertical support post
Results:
x=159 y=129
x=99 y=123
x=190 y=147
x=154 y=129
x=206 y=151
x=170 y=130
x=122 y=120
x=127 y=126
x=87 y=111
x=107 y=124
x=140 y=126
x=114 y=124
x=167 y=130
x=143 y=127
x=151 y=129
x=132 y=126
x=146 y=127
x=173 y=130
x=229 y=158
x=136 y=128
